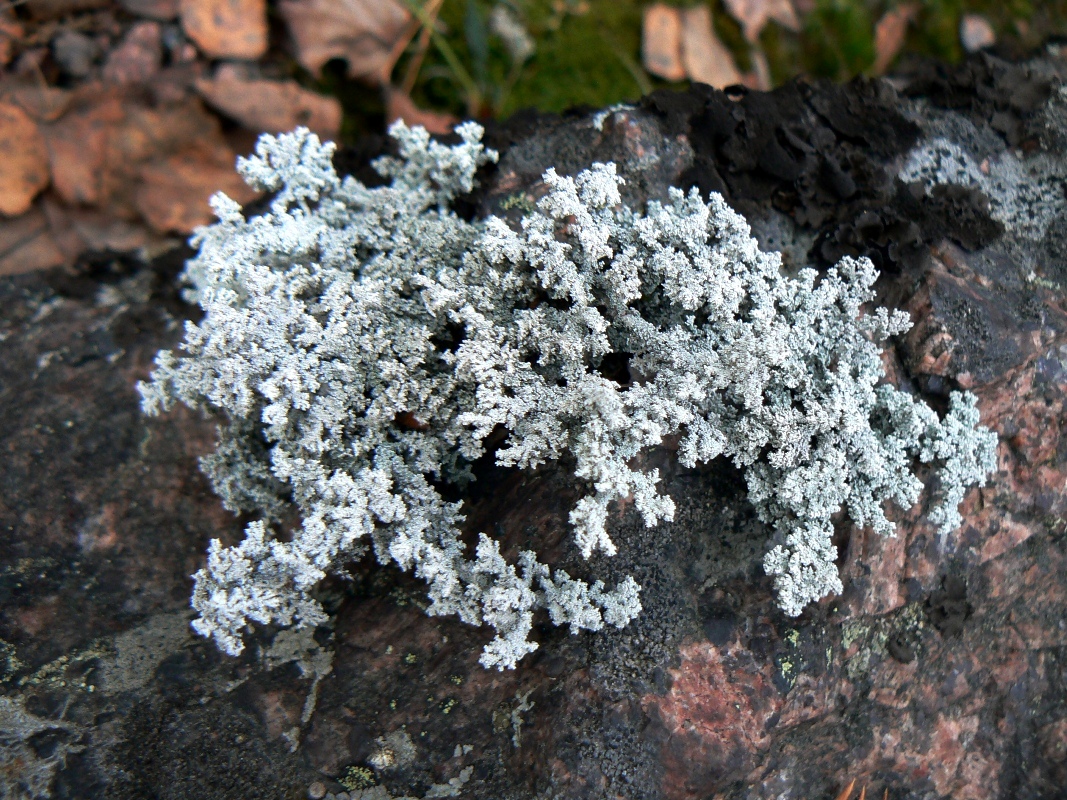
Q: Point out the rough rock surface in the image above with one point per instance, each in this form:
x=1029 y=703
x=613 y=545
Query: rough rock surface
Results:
x=940 y=672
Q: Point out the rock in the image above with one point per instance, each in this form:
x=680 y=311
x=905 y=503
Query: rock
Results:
x=934 y=674
x=226 y=28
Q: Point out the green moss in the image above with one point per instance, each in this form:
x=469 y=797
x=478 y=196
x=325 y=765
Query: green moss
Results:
x=581 y=58
x=588 y=52
x=838 y=39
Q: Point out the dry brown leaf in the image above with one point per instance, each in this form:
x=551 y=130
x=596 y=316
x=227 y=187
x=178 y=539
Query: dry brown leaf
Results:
x=706 y=59
x=54 y=9
x=174 y=191
x=159 y=10
x=363 y=33
x=51 y=234
x=78 y=146
x=661 y=42
x=761 y=71
x=131 y=161
x=138 y=57
x=64 y=236
x=155 y=157
x=26 y=244
x=43 y=103
x=10 y=32
x=271 y=106
x=753 y=15
x=98 y=231
x=399 y=106
x=889 y=35
x=226 y=28
x=976 y=33
x=23 y=160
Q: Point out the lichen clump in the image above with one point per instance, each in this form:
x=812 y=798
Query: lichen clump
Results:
x=360 y=345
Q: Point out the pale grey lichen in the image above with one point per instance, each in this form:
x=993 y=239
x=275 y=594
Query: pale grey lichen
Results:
x=360 y=345
x=1025 y=192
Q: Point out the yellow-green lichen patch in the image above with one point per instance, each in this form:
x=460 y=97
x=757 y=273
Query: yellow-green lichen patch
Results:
x=897 y=635
x=357 y=778
x=9 y=661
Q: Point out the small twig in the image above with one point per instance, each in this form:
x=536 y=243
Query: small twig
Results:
x=397 y=50
x=411 y=74
x=459 y=72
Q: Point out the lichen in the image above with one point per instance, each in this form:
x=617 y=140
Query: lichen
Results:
x=360 y=346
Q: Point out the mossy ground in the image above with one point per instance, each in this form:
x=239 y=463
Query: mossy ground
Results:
x=588 y=52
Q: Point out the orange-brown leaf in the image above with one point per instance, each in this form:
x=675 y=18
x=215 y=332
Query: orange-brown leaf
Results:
x=43 y=103
x=753 y=15
x=159 y=10
x=976 y=33
x=134 y=161
x=399 y=106
x=889 y=35
x=138 y=57
x=10 y=32
x=266 y=106
x=661 y=42
x=361 y=32
x=408 y=421
x=706 y=59
x=23 y=160
x=26 y=244
x=174 y=190
x=78 y=147
x=226 y=28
